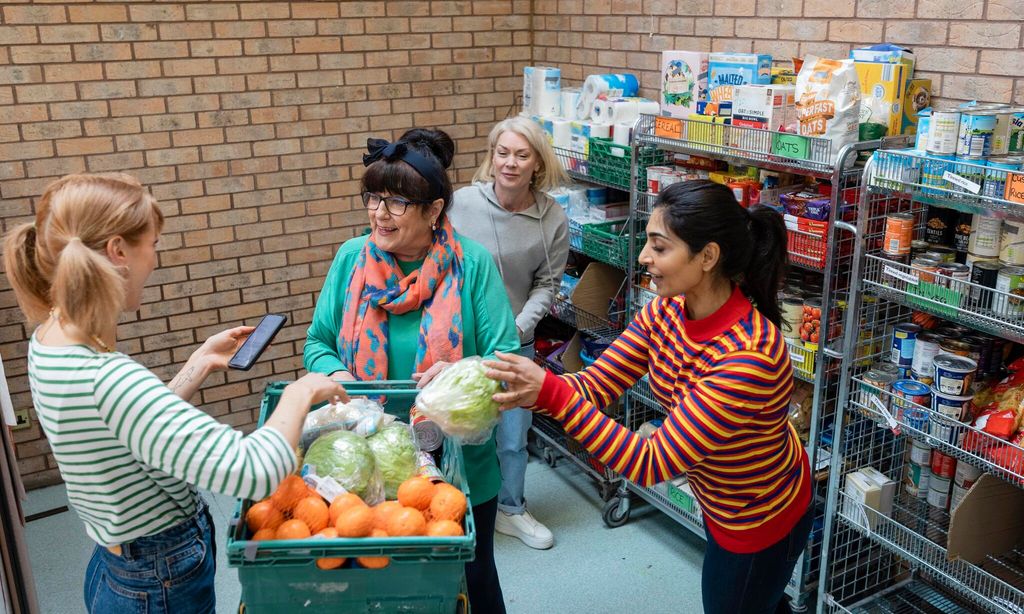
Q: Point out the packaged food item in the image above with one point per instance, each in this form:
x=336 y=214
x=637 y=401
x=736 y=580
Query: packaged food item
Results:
x=728 y=70
x=917 y=98
x=882 y=89
x=828 y=101
x=684 y=81
x=767 y=107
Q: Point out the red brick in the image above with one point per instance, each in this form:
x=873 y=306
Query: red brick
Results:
x=268 y=46
x=293 y=63
x=206 y=170
x=239 y=29
x=97 y=13
x=185 y=31
x=129 y=32
x=291 y=28
x=51 y=130
x=86 y=146
x=46 y=93
x=69 y=34
x=40 y=54
x=20 y=74
x=103 y=52
x=34 y=14
x=142 y=142
x=330 y=44
x=215 y=48
x=161 y=12
x=230 y=83
x=137 y=106
x=116 y=162
x=314 y=10
x=108 y=89
x=168 y=122
x=192 y=104
x=79 y=71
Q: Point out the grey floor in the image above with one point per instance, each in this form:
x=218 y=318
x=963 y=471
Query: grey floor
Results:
x=649 y=565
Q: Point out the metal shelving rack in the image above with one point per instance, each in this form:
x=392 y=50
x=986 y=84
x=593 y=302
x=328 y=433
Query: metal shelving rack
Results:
x=869 y=558
x=830 y=254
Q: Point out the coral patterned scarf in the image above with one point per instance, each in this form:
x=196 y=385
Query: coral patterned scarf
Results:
x=378 y=287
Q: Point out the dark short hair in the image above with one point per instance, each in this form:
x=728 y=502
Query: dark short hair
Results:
x=401 y=179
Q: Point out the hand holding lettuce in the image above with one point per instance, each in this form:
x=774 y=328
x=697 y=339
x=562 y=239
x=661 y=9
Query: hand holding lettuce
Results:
x=459 y=401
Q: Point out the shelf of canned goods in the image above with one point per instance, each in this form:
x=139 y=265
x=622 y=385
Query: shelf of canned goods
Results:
x=822 y=252
x=928 y=440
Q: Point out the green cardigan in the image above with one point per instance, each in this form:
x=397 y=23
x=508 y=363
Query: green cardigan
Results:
x=488 y=326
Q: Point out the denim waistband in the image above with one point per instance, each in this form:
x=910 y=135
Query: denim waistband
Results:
x=149 y=545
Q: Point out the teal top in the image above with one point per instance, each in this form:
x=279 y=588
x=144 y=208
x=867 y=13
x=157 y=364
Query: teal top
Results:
x=488 y=326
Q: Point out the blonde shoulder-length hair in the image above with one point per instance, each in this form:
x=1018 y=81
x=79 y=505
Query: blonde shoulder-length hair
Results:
x=550 y=175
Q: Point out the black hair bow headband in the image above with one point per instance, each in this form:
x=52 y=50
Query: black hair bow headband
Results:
x=426 y=166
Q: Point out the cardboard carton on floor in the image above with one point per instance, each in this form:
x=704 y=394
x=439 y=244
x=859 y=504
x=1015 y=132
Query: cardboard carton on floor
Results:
x=598 y=284
x=987 y=522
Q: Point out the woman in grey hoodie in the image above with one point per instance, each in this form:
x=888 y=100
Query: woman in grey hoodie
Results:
x=507 y=209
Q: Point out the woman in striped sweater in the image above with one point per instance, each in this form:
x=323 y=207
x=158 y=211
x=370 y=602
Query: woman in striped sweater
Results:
x=718 y=364
x=132 y=450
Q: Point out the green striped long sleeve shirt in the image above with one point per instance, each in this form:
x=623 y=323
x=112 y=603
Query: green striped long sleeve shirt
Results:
x=132 y=453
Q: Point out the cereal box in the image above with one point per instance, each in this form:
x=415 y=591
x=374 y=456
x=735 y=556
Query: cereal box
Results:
x=766 y=107
x=882 y=88
x=727 y=70
x=887 y=54
x=917 y=98
x=684 y=81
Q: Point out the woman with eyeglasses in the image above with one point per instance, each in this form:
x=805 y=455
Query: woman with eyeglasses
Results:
x=507 y=209
x=412 y=296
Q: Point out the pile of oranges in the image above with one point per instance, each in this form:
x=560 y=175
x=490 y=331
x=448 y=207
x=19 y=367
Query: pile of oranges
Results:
x=295 y=511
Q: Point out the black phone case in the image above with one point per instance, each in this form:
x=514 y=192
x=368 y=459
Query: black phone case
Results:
x=240 y=366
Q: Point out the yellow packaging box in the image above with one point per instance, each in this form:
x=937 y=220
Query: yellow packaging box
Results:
x=917 y=97
x=882 y=88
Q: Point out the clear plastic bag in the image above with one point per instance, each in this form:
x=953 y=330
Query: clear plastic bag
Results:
x=459 y=401
x=342 y=461
x=361 y=416
x=395 y=453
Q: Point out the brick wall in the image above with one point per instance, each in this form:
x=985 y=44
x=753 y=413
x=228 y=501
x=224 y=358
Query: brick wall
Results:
x=247 y=119
x=969 y=48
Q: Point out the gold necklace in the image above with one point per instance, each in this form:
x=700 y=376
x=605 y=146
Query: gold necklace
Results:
x=95 y=338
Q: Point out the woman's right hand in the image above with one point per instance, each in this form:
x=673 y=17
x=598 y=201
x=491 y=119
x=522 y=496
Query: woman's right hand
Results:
x=318 y=388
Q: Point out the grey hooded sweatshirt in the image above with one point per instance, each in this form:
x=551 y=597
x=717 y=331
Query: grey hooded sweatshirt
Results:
x=530 y=247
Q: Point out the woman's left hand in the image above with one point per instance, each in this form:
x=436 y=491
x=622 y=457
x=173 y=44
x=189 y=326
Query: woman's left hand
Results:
x=422 y=379
x=522 y=377
x=218 y=349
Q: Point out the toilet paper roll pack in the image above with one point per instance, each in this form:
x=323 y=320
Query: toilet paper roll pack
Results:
x=570 y=100
x=542 y=90
x=610 y=86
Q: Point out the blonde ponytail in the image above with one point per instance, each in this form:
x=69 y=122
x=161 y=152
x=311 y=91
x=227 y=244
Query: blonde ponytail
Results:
x=61 y=262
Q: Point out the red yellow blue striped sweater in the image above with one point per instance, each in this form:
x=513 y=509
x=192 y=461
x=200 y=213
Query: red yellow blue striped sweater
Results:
x=726 y=380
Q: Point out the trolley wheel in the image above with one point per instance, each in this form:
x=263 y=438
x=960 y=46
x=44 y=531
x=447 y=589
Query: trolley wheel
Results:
x=616 y=512
x=462 y=604
x=550 y=457
x=608 y=490
x=241 y=608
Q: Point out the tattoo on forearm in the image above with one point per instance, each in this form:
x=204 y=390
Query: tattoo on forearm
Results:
x=181 y=379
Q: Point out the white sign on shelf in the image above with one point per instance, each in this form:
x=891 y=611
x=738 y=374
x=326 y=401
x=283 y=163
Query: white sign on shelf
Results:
x=910 y=278
x=963 y=182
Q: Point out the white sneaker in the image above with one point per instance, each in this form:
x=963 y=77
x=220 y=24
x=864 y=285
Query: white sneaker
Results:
x=525 y=528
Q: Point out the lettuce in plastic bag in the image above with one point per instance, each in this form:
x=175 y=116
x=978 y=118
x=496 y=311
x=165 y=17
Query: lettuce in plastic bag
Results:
x=361 y=416
x=459 y=401
x=395 y=454
x=348 y=459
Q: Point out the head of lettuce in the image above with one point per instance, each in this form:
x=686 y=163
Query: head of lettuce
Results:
x=459 y=401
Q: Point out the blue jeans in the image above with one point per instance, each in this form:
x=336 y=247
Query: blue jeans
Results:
x=512 y=455
x=754 y=583
x=166 y=573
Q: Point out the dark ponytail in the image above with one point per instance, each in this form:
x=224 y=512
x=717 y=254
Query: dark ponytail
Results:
x=752 y=242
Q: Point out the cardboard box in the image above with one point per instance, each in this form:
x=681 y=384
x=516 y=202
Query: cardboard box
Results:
x=886 y=53
x=598 y=284
x=887 y=486
x=987 y=522
x=727 y=70
x=917 y=98
x=860 y=489
x=882 y=88
x=684 y=81
x=765 y=107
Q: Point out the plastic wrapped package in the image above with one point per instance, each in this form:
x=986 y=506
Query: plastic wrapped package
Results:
x=395 y=454
x=361 y=416
x=459 y=401
x=343 y=461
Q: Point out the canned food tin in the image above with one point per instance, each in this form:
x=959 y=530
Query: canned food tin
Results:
x=1001 y=135
x=926 y=267
x=957 y=497
x=873 y=379
x=971 y=168
x=984 y=345
x=903 y=337
x=1016 y=137
x=951 y=345
x=792 y=314
x=906 y=393
x=966 y=474
x=925 y=378
x=918 y=248
x=933 y=169
x=916 y=479
x=983 y=273
x=954 y=374
x=938 y=228
x=654 y=178
x=1011 y=242
x=941 y=253
x=899 y=232
x=938 y=492
x=986 y=231
x=887 y=368
x=943 y=130
x=976 y=131
x=942 y=465
x=996 y=175
x=926 y=347
x=1007 y=301
x=962 y=235
x=958 y=275
x=920 y=452
x=995 y=364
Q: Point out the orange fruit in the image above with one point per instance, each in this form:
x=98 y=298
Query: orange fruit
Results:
x=406 y=521
x=293 y=529
x=264 y=535
x=342 y=503
x=375 y=562
x=356 y=521
x=444 y=528
x=382 y=511
x=448 y=504
x=329 y=562
x=416 y=493
x=263 y=515
x=313 y=511
x=290 y=491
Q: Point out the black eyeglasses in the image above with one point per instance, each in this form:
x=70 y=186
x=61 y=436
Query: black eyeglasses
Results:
x=395 y=205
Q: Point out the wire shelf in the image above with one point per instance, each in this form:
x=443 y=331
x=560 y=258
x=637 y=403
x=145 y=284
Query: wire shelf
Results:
x=913 y=533
x=963 y=441
x=607 y=164
x=743 y=145
x=986 y=309
x=951 y=183
x=609 y=242
x=642 y=296
x=554 y=435
x=694 y=521
x=909 y=597
x=584 y=321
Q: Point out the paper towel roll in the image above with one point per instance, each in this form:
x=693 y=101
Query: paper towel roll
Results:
x=561 y=130
x=529 y=108
x=629 y=109
x=570 y=99
x=620 y=135
x=601 y=131
x=547 y=90
x=611 y=86
x=602 y=111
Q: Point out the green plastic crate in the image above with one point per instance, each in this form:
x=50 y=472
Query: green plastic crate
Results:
x=610 y=162
x=608 y=242
x=426 y=574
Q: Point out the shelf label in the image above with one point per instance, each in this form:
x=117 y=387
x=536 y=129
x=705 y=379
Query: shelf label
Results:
x=898 y=274
x=880 y=406
x=791 y=146
x=1015 y=187
x=963 y=182
x=797 y=358
x=668 y=127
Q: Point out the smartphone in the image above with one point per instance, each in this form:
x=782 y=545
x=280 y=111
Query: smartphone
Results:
x=249 y=353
